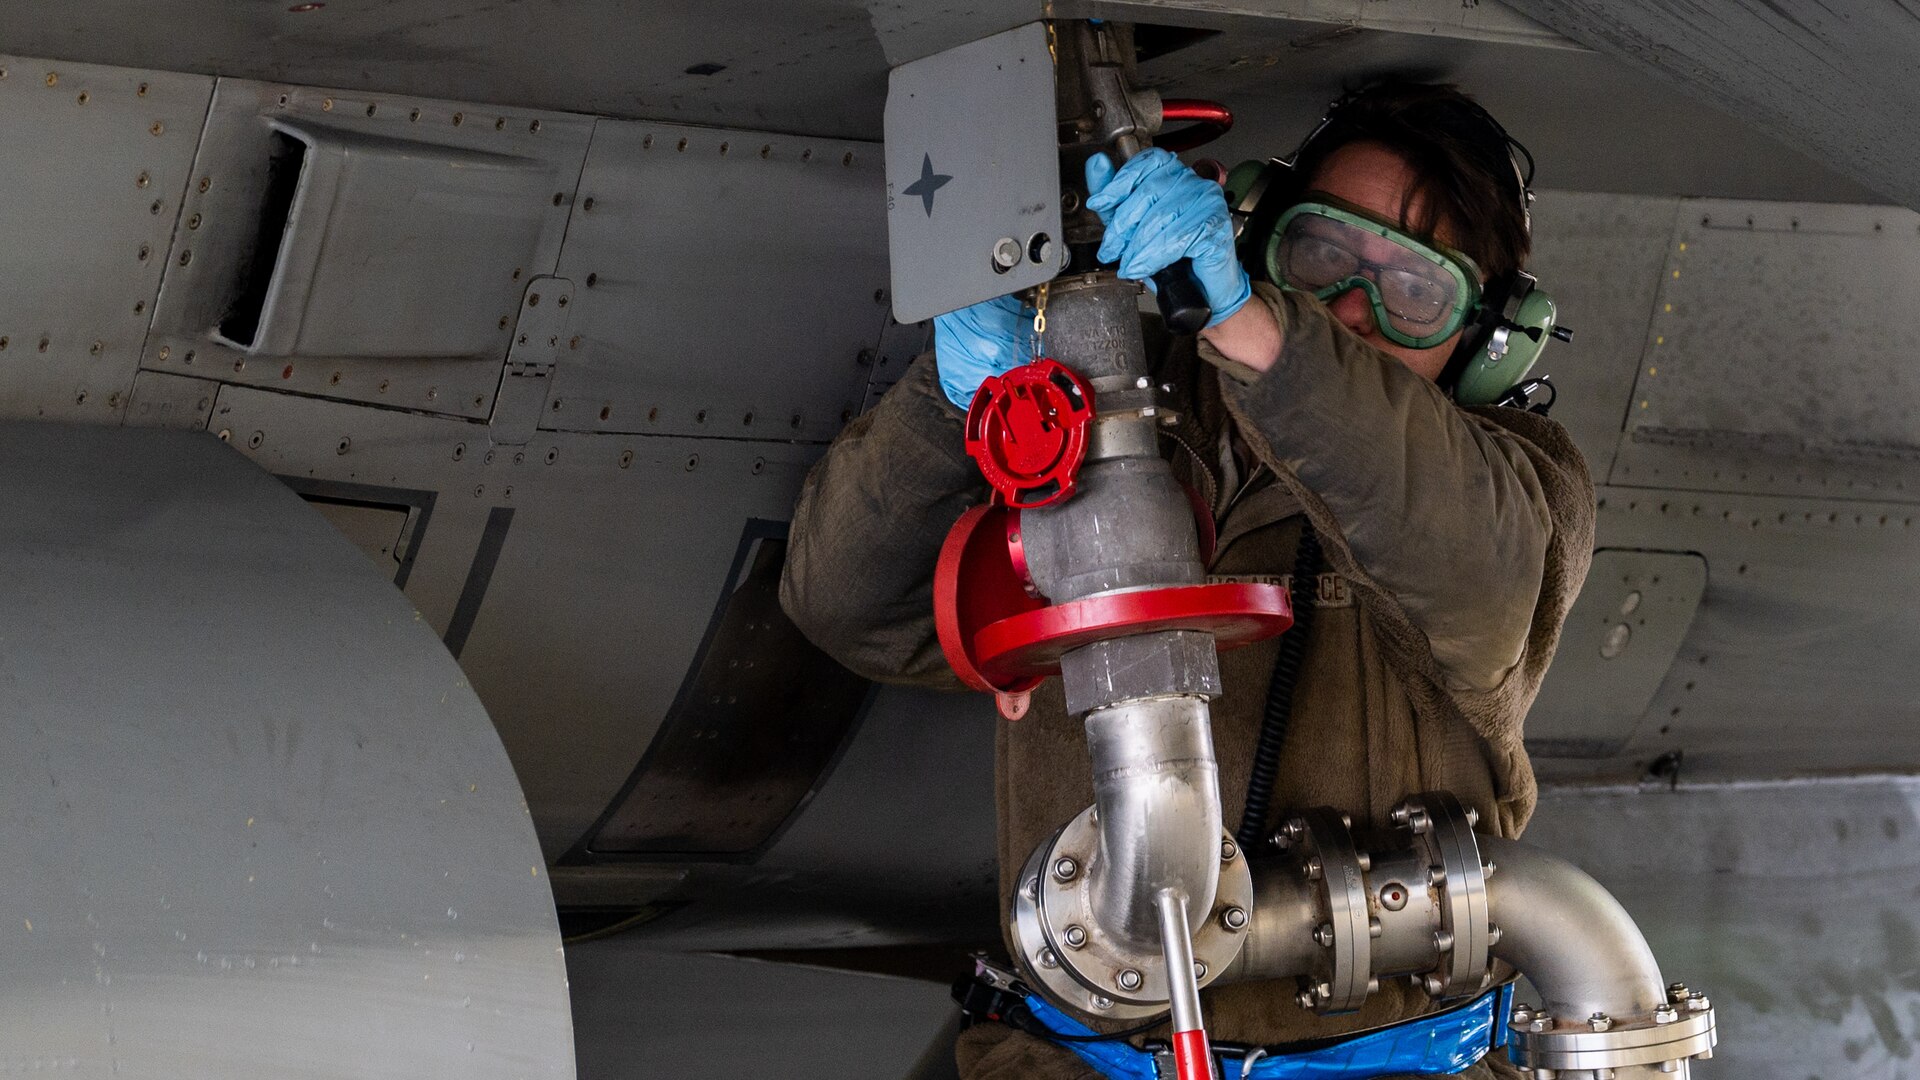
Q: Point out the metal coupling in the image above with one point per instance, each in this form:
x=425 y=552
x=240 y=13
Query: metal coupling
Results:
x=1365 y=923
x=1086 y=964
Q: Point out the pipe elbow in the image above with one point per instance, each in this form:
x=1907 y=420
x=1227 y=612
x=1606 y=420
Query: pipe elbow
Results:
x=1567 y=933
x=1157 y=805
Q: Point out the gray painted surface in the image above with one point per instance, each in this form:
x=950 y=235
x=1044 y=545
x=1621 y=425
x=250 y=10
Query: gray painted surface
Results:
x=1616 y=648
x=1775 y=362
x=1798 y=659
x=1794 y=906
x=89 y=227
x=257 y=820
x=896 y=847
x=606 y=580
x=1601 y=258
x=958 y=189
x=1836 y=82
x=699 y=255
x=645 y=1013
x=818 y=67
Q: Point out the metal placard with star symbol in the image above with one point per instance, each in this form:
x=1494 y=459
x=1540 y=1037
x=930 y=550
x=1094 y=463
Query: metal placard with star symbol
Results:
x=972 y=164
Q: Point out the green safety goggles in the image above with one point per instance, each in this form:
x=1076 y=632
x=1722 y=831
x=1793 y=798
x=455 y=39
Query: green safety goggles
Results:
x=1422 y=294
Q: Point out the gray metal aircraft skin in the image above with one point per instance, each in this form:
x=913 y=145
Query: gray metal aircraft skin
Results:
x=549 y=309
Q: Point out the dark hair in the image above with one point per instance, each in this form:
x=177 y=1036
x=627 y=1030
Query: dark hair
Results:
x=1461 y=157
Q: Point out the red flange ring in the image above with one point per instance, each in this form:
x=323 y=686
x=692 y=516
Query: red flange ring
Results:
x=1028 y=644
x=974 y=585
x=1027 y=430
x=1017 y=556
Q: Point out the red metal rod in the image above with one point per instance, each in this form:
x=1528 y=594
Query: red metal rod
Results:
x=1205 y=120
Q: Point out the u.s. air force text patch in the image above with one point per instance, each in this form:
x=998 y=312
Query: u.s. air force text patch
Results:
x=1331 y=590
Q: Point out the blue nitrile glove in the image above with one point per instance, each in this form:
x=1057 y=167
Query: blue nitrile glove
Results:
x=1157 y=211
x=970 y=344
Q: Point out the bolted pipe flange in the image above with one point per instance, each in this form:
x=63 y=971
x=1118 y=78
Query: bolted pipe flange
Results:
x=1665 y=1038
x=1327 y=858
x=1442 y=831
x=1092 y=972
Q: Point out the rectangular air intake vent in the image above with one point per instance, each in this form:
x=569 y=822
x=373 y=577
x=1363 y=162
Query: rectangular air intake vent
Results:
x=286 y=162
x=360 y=247
x=390 y=248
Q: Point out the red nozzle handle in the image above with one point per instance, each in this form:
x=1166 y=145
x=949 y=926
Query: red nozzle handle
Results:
x=1192 y=1056
x=1205 y=121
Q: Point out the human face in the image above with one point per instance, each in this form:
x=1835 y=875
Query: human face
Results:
x=1375 y=179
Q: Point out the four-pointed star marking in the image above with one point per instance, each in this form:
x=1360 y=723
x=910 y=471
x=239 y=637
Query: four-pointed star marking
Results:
x=928 y=183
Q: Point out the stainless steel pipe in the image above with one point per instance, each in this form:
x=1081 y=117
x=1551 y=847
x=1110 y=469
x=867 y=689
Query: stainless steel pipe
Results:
x=1568 y=935
x=1156 y=784
x=1556 y=925
x=1156 y=797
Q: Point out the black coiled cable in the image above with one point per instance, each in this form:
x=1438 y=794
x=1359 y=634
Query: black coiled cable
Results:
x=1279 y=711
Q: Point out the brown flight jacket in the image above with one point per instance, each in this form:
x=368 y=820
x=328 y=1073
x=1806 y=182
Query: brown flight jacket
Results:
x=1455 y=540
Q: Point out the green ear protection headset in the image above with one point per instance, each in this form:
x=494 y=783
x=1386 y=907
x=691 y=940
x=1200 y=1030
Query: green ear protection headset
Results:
x=1505 y=332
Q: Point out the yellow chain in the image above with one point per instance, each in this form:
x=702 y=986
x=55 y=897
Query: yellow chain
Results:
x=1040 y=309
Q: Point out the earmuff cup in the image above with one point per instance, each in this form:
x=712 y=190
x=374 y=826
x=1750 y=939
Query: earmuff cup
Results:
x=1505 y=351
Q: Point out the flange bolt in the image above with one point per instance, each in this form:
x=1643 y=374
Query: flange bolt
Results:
x=1234 y=918
x=1665 y=1014
x=1323 y=935
x=1065 y=869
x=1129 y=979
x=1075 y=937
x=1600 y=1021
